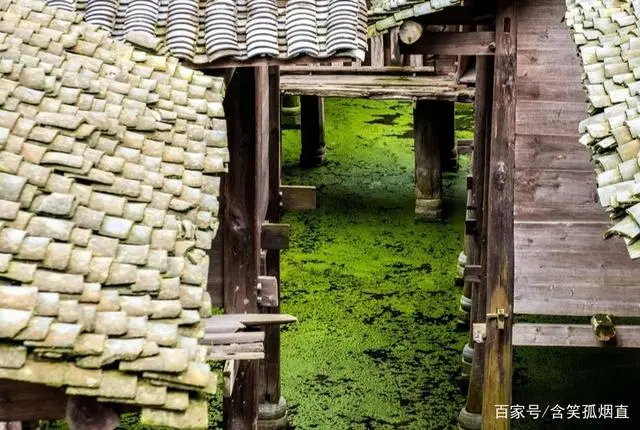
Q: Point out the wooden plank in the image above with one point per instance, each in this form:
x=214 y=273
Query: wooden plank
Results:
x=232 y=338
x=248 y=320
x=500 y=270
x=356 y=70
x=377 y=51
x=298 y=197
x=557 y=195
x=569 y=335
x=552 y=153
x=470 y=43
x=568 y=269
x=262 y=141
x=564 y=335
x=377 y=86
x=241 y=229
x=275 y=236
x=268 y=291
x=311 y=130
x=549 y=118
x=229 y=375
x=17 y=400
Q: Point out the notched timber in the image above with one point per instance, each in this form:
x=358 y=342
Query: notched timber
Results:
x=275 y=236
x=298 y=197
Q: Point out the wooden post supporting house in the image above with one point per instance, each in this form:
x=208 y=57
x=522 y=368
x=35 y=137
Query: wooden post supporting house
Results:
x=273 y=409
x=242 y=227
x=470 y=417
x=500 y=251
x=428 y=117
x=312 y=131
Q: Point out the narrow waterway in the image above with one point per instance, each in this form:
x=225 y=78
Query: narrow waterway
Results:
x=378 y=345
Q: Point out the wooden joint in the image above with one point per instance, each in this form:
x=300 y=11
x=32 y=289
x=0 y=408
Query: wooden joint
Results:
x=603 y=327
x=500 y=315
x=298 y=197
x=267 y=291
x=275 y=236
x=479 y=332
x=229 y=376
x=472 y=273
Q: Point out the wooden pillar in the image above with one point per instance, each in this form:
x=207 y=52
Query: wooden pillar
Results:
x=312 y=131
x=273 y=409
x=449 y=152
x=241 y=228
x=470 y=417
x=428 y=117
x=498 y=373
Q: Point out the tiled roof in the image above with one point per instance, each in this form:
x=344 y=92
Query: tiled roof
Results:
x=386 y=14
x=110 y=159
x=203 y=31
x=608 y=36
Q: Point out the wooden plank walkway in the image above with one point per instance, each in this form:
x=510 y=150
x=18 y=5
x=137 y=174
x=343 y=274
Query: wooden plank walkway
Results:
x=376 y=86
x=562 y=264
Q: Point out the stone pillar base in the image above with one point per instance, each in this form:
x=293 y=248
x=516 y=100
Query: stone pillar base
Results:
x=273 y=416
x=464 y=315
x=469 y=421
x=429 y=210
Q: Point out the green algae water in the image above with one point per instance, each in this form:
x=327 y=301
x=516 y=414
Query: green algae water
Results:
x=377 y=344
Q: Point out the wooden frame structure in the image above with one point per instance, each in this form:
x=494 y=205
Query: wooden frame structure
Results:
x=531 y=211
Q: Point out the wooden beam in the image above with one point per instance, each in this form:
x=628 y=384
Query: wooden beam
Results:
x=270 y=390
x=330 y=70
x=465 y=146
x=241 y=228
x=17 y=400
x=229 y=375
x=470 y=43
x=230 y=338
x=275 y=236
x=249 y=320
x=298 y=197
x=459 y=15
x=500 y=256
x=268 y=291
x=565 y=335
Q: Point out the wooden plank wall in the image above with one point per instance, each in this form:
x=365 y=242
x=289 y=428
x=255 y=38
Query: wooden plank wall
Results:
x=562 y=264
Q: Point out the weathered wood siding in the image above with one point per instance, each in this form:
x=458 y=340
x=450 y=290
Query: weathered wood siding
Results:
x=562 y=264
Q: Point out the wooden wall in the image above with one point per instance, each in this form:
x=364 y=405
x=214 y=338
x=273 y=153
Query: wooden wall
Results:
x=562 y=264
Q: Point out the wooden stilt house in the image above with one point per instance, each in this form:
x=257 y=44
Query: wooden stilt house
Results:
x=104 y=114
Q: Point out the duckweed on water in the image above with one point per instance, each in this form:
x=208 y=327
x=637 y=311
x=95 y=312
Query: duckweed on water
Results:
x=377 y=345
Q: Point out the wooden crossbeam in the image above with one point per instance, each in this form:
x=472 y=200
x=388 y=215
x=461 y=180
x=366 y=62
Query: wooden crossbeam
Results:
x=298 y=197
x=465 y=146
x=566 y=335
x=468 y=43
x=275 y=236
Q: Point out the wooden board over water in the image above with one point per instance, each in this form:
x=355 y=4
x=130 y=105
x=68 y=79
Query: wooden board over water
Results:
x=562 y=264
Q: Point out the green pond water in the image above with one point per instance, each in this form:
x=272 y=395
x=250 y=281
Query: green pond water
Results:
x=377 y=345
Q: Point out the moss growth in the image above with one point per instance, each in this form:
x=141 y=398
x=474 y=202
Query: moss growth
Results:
x=377 y=345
